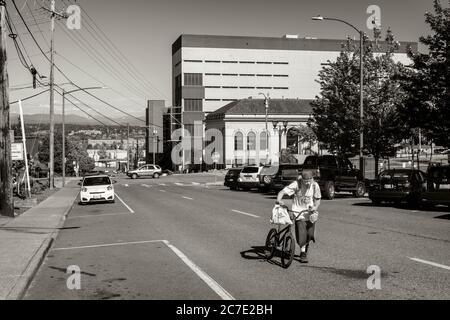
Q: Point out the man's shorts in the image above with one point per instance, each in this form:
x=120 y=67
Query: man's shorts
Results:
x=304 y=232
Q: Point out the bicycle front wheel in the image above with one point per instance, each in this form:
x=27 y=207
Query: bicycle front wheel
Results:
x=288 y=250
x=271 y=243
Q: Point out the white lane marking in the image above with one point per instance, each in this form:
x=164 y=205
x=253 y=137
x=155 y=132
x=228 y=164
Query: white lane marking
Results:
x=247 y=214
x=195 y=183
x=225 y=295
x=430 y=263
x=106 y=245
x=162 y=190
x=162 y=184
x=129 y=209
x=187 y=198
x=98 y=215
x=126 y=185
x=146 y=185
x=179 y=184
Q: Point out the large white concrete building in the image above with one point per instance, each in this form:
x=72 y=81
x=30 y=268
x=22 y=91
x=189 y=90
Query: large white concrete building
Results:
x=209 y=72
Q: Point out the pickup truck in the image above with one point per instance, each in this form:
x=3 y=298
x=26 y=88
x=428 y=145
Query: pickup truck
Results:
x=335 y=174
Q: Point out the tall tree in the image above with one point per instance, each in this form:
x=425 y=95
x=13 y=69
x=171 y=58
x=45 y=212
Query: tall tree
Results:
x=427 y=83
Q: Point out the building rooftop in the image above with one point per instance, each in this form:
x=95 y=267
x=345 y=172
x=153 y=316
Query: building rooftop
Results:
x=257 y=106
x=271 y=43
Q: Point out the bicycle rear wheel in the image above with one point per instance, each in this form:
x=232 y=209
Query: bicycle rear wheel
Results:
x=288 y=250
x=271 y=243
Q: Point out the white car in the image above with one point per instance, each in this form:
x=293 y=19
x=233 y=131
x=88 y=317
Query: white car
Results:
x=96 y=188
x=148 y=170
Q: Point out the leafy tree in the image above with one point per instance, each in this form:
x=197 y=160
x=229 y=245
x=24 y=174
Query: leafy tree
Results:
x=305 y=135
x=336 y=111
x=427 y=83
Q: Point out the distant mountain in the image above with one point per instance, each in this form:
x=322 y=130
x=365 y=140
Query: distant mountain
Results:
x=74 y=119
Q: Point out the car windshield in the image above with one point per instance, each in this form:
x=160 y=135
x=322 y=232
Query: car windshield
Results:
x=233 y=172
x=269 y=170
x=397 y=175
x=250 y=170
x=96 y=181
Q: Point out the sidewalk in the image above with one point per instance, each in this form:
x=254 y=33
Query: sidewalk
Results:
x=25 y=240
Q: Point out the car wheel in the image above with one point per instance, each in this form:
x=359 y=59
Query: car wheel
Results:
x=134 y=176
x=329 y=190
x=156 y=176
x=360 y=190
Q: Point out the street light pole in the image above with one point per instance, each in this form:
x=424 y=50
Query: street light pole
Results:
x=266 y=104
x=64 y=128
x=361 y=100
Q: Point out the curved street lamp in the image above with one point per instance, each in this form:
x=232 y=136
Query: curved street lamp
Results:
x=64 y=128
x=361 y=98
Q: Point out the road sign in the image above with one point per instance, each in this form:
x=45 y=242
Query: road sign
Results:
x=215 y=157
x=17 y=151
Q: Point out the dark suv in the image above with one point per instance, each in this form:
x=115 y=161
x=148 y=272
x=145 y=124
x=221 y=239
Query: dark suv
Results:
x=335 y=174
x=276 y=177
x=438 y=186
x=231 y=178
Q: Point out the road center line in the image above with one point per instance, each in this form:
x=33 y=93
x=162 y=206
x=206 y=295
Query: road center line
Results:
x=145 y=185
x=247 y=214
x=129 y=209
x=162 y=190
x=225 y=295
x=179 y=184
x=187 y=198
x=430 y=263
x=126 y=185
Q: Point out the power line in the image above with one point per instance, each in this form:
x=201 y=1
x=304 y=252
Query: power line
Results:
x=30 y=97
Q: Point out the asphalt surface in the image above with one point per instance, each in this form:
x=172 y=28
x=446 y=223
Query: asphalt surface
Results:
x=180 y=238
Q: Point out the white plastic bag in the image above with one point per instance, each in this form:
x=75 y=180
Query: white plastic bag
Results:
x=280 y=215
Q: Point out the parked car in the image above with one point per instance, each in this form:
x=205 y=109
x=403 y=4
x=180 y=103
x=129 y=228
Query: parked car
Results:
x=231 y=178
x=278 y=176
x=335 y=174
x=96 y=188
x=248 y=177
x=438 y=186
x=148 y=170
x=398 y=185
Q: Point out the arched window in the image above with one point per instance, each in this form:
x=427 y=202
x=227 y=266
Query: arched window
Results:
x=251 y=141
x=263 y=141
x=238 y=141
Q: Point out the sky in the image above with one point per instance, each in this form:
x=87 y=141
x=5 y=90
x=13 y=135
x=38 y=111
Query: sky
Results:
x=144 y=30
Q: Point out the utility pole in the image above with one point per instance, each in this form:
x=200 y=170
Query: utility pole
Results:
x=6 y=188
x=63 y=138
x=52 y=99
x=128 y=147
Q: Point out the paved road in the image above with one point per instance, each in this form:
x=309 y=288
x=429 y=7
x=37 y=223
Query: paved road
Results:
x=174 y=239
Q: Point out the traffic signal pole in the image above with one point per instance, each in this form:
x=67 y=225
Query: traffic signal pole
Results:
x=6 y=187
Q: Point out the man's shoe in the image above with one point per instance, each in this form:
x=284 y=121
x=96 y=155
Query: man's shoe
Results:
x=303 y=257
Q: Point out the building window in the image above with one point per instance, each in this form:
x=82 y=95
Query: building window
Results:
x=178 y=90
x=251 y=141
x=281 y=88
x=263 y=141
x=264 y=75
x=212 y=99
x=229 y=87
x=193 y=104
x=229 y=74
x=263 y=62
x=281 y=63
x=252 y=62
x=263 y=87
x=193 y=60
x=212 y=87
x=280 y=75
x=193 y=79
x=247 y=75
x=212 y=61
x=238 y=141
x=229 y=99
x=246 y=87
x=229 y=61
x=212 y=74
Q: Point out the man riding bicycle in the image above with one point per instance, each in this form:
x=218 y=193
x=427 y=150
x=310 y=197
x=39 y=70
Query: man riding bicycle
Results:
x=306 y=198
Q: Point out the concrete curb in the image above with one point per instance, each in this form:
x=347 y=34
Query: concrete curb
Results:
x=25 y=279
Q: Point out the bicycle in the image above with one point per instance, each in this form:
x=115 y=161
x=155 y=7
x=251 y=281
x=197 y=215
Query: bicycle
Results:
x=283 y=238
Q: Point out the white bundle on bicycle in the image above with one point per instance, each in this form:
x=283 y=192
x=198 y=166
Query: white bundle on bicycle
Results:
x=280 y=215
